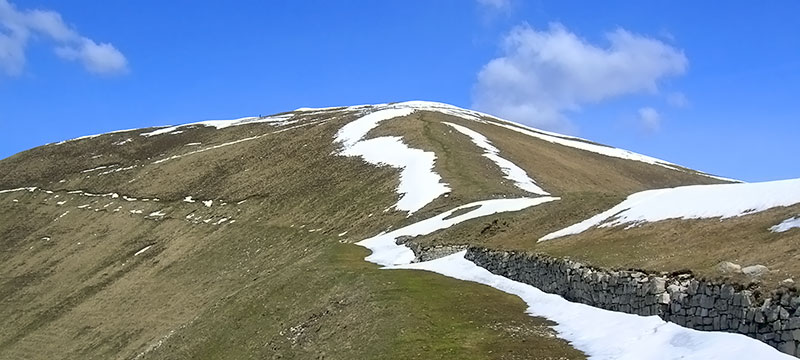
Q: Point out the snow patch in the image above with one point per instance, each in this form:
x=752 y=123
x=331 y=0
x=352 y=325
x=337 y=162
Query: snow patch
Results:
x=143 y=250
x=419 y=184
x=158 y=213
x=29 y=189
x=208 y=203
x=556 y=138
x=786 y=225
x=356 y=130
x=97 y=168
x=310 y=109
x=91 y=136
x=188 y=199
x=604 y=334
x=511 y=170
x=214 y=147
x=691 y=202
x=221 y=124
x=386 y=252
x=598 y=149
x=601 y=334
x=117 y=170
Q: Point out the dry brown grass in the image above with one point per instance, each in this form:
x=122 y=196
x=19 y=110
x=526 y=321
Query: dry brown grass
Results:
x=235 y=290
x=278 y=283
x=699 y=245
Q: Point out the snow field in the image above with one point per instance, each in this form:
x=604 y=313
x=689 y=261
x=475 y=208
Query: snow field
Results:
x=691 y=202
x=601 y=334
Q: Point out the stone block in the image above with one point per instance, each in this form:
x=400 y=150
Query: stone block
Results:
x=794 y=323
x=788 y=347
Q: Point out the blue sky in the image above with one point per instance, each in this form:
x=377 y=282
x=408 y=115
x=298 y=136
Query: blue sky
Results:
x=714 y=86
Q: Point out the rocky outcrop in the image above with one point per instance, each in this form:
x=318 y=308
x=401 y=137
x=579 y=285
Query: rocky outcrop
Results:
x=425 y=253
x=680 y=298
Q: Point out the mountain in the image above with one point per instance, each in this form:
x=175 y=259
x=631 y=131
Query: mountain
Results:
x=234 y=238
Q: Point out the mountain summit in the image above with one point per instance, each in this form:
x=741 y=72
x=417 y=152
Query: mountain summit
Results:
x=237 y=239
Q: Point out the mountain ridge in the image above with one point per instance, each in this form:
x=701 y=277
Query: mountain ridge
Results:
x=125 y=240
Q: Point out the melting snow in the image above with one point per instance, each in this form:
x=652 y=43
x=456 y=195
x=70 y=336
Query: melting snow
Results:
x=512 y=171
x=565 y=140
x=29 y=189
x=356 y=130
x=601 y=334
x=604 y=334
x=692 y=202
x=208 y=203
x=143 y=250
x=117 y=170
x=188 y=199
x=599 y=149
x=221 y=124
x=786 y=225
x=91 y=136
x=97 y=168
x=386 y=252
x=237 y=141
x=309 y=109
x=419 y=184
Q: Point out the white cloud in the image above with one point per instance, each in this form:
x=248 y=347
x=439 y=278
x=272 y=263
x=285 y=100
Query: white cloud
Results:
x=18 y=27
x=97 y=58
x=544 y=73
x=650 y=119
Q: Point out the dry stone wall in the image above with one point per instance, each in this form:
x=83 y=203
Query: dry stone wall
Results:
x=683 y=299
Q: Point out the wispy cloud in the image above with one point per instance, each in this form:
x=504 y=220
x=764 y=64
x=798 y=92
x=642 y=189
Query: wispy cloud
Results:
x=499 y=5
x=678 y=100
x=650 y=119
x=18 y=27
x=544 y=73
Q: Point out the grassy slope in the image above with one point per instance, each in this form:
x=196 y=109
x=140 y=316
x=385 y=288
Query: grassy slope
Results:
x=266 y=286
x=588 y=184
x=263 y=287
x=699 y=245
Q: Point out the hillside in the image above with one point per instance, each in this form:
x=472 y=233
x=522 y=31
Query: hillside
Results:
x=235 y=238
